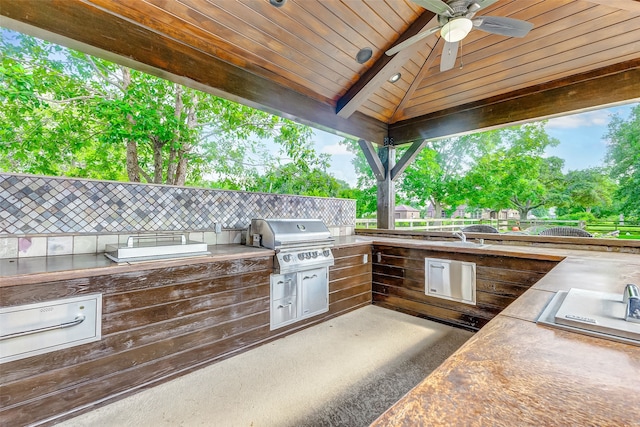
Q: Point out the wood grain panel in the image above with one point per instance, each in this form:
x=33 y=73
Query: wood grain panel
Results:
x=158 y=324
x=582 y=41
x=399 y=282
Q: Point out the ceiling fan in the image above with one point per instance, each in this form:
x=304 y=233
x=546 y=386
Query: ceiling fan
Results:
x=456 y=19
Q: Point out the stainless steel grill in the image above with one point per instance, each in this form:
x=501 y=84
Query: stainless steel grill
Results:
x=300 y=280
x=300 y=244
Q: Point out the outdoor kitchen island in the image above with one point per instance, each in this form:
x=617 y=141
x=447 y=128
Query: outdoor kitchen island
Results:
x=513 y=372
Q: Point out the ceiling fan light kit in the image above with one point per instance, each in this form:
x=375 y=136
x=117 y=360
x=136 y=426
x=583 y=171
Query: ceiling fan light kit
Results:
x=456 y=29
x=456 y=19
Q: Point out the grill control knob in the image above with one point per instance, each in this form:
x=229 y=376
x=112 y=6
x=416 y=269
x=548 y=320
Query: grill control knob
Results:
x=286 y=258
x=300 y=256
x=326 y=252
x=314 y=254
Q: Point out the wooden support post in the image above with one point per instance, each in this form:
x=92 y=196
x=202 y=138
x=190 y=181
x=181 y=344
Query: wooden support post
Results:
x=386 y=189
x=384 y=167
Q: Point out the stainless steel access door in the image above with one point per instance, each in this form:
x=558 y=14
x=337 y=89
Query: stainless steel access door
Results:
x=314 y=287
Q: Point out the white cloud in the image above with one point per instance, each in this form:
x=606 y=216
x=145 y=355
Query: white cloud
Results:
x=336 y=150
x=588 y=119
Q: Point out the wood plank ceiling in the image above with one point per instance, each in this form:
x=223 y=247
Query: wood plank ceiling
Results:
x=299 y=59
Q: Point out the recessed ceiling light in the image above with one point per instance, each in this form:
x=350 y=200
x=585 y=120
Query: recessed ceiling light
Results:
x=395 y=77
x=277 y=3
x=364 y=55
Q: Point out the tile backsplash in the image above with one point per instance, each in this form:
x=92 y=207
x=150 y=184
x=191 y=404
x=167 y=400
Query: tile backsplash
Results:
x=55 y=216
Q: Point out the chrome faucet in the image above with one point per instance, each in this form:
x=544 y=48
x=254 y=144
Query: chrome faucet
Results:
x=460 y=235
x=631 y=298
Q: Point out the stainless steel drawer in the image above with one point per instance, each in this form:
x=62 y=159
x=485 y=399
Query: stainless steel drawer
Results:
x=32 y=329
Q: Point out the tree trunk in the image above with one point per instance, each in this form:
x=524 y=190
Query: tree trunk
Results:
x=157 y=159
x=172 y=165
x=183 y=153
x=133 y=171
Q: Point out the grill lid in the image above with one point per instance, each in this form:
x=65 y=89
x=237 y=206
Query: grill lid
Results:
x=284 y=233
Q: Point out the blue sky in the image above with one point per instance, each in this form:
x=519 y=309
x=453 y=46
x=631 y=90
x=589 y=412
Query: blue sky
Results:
x=582 y=141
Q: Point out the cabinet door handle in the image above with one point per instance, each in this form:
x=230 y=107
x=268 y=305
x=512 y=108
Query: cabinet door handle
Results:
x=436 y=266
x=310 y=277
x=79 y=319
x=286 y=305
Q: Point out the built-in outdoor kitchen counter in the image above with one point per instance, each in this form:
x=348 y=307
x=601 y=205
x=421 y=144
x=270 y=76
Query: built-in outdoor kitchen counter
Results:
x=167 y=318
x=160 y=319
x=516 y=372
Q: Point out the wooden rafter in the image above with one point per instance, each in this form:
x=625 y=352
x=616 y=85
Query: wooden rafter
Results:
x=422 y=74
x=608 y=85
x=136 y=47
x=383 y=68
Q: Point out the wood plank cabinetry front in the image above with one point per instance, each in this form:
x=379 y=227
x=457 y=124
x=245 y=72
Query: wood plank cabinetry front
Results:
x=157 y=324
x=399 y=283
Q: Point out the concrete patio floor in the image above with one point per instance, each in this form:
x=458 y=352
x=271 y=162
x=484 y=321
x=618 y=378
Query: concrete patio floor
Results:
x=343 y=372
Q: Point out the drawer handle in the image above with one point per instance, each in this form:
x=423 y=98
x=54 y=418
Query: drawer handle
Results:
x=79 y=319
x=286 y=305
x=437 y=266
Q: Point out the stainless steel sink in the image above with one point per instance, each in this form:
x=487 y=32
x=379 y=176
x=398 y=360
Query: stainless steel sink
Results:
x=599 y=314
x=458 y=244
x=155 y=247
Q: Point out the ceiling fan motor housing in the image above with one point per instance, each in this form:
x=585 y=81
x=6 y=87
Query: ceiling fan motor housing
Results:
x=459 y=7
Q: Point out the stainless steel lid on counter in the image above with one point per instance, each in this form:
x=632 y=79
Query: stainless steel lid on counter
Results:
x=155 y=247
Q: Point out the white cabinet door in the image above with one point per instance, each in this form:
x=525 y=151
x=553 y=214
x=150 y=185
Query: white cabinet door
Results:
x=438 y=277
x=284 y=299
x=314 y=288
x=450 y=279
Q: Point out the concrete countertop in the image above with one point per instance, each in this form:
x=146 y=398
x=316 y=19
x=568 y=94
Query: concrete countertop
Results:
x=17 y=271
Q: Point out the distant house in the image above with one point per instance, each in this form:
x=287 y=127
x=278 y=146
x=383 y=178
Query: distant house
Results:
x=501 y=214
x=458 y=213
x=406 y=212
x=461 y=212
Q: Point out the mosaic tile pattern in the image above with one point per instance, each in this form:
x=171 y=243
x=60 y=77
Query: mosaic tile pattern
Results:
x=46 y=205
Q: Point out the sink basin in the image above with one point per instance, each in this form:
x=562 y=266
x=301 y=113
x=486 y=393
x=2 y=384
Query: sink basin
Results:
x=458 y=244
x=156 y=247
x=599 y=314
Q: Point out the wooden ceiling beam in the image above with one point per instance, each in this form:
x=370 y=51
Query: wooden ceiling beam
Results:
x=86 y=28
x=422 y=74
x=615 y=84
x=630 y=5
x=384 y=67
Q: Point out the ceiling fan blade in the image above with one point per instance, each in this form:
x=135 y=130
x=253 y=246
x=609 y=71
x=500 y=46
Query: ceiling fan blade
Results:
x=503 y=26
x=484 y=3
x=436 y=6
x=478 y=5
x=449 y=54
x=411 y=40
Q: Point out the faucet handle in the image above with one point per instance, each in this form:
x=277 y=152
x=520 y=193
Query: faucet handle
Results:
x=631 y=298
x=630 y=291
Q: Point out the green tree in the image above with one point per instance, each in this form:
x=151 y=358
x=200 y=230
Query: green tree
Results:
x=514 y=174
x=300 y=171
x=589 y=188
x=437 y=174
x=366 y=193
x=623 y=156
x=67 y=113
